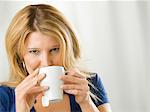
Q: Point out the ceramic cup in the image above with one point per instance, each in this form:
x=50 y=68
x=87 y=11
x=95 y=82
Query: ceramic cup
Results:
x=54 y=93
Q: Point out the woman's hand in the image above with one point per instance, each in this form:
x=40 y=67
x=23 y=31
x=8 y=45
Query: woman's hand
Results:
x=27 y=91
x=75 y=83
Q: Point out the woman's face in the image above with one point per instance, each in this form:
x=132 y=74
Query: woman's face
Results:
x=41 y=51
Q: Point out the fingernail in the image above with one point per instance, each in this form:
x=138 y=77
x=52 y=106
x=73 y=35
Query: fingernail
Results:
x=37 y=70
x=46 y=87
x=43 y=74
x=61 y=86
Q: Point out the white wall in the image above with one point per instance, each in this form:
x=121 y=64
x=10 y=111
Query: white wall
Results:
x=115 y=43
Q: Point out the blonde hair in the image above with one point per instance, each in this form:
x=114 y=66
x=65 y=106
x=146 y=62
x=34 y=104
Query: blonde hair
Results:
x=47 y=20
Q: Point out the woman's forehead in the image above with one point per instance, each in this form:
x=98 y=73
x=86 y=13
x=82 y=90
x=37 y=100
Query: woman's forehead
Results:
x=39 y=39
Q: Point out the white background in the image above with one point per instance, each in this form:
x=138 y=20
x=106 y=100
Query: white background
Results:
x=115 y=43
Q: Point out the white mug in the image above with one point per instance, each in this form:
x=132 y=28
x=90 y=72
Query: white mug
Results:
x=54 y=93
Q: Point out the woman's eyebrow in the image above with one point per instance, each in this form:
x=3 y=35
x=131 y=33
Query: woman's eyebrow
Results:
x=56 y=45
x=32 y=48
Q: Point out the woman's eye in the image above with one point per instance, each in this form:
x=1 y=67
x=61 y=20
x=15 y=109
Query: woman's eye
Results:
x=34 y=51
x=54 y=50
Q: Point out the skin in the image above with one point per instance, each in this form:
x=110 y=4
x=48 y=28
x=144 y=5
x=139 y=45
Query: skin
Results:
x=40 y=51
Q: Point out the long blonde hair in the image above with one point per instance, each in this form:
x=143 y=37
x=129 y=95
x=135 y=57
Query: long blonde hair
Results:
x=47 y=20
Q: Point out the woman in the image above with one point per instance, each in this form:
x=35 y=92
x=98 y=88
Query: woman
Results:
x=38 y=36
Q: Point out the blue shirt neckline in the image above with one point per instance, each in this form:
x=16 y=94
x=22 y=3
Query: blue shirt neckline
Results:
x=73 y=105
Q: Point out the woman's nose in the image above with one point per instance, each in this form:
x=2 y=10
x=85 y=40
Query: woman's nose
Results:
x=46 y=60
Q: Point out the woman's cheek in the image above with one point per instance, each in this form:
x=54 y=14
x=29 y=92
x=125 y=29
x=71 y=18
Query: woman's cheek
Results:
x=31 y=64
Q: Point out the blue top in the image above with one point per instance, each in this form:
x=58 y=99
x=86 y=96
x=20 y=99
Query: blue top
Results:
x=7 y=96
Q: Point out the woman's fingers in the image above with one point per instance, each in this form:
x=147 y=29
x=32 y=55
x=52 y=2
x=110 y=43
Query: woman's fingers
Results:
x=29 y=88
x=39 y=78
x=73 y=79
x=29 y=83
x=73 y=76
x=76 y=83
x=34 y=74
x=76 y=73
x=75 y=86
x=76 y=92
x=29 y=77
x=70 y=86
x=34 y=82
x=38 y=89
